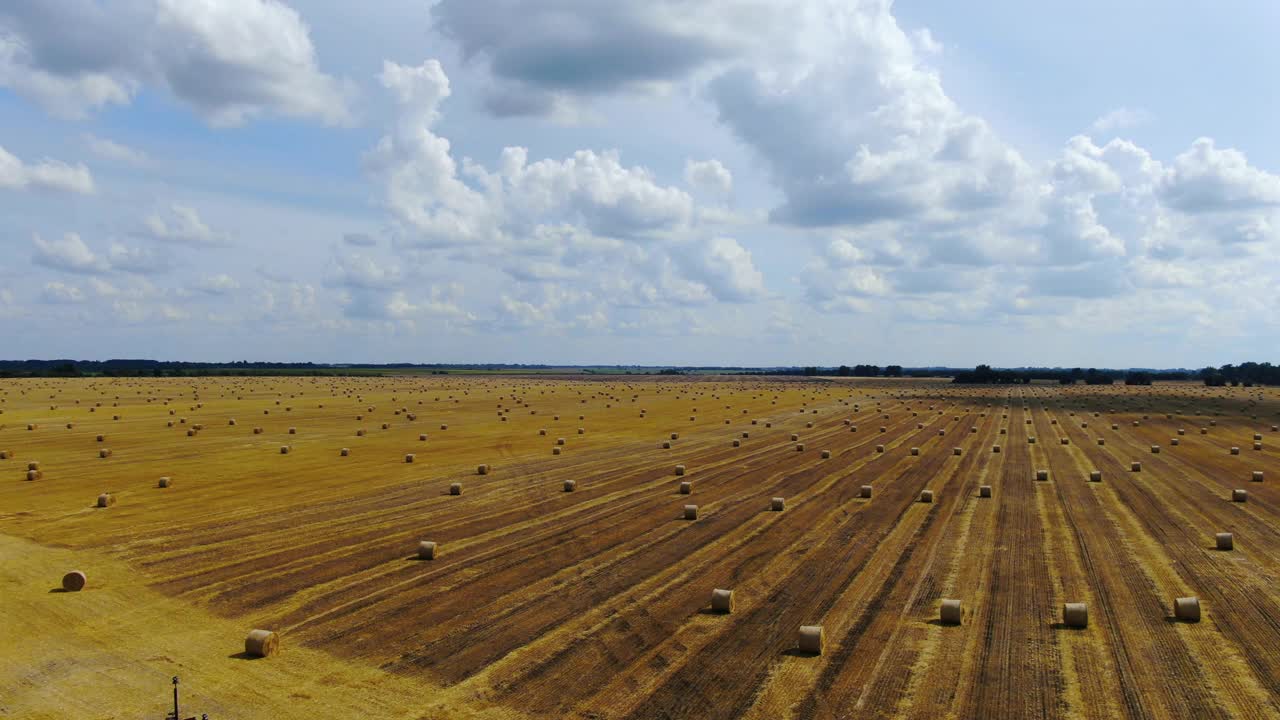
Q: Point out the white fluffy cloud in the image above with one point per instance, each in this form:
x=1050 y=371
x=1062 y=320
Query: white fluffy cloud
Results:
x=46 y=174
x=114 y=151
x=70 y=254
x=708 y=176
x=183 y=227
x=229 y=60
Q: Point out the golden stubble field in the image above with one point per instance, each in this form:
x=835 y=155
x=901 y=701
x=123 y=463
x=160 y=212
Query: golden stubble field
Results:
x=595 y=603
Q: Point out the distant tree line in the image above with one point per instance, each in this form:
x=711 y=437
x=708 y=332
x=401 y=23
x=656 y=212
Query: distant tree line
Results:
x=1247 y=374
x=986 y=375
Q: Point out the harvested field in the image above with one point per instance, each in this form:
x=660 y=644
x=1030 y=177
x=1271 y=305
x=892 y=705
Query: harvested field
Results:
x=595 y=603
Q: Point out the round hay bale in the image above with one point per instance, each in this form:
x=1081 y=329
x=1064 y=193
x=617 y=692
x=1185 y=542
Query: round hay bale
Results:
x=686 y=487
x=1031 y=440
x=865 y=491
x=794 y=437
x=284 y=449
x=666 y=445
x=1101 y=441
x=737 y=443
x=811 y=639
x=879 y=448
x=1042 y=475
x=915 y=451
x=101 y=438
x=106 y=500
x=675 y=436
x=422 y=437
x=570 y=485
x=1239 y=495
x=722 y=601
x=949 y=612
x=1174 y=442
x=995 y=448
x=679 y=469
x=164 y=482
x=984 y=491
x=690 y=512
x=542 y=431
x=35 y=474
x=344 y=452
x=104 y=453
x=426 y=550
x=1075 y=615
x=1224 y=541
x=1065 y=441
x=777 y=504
x=926 y=496
x=482 y=469
x=1155 y=449
x=1135 y=467
x=257 y=431
x=1257 y=476
x=555 y=451
x=261 y=643
x=1095 y=476
x=799 y=447
x=957 y=451
x=560 y=441
x=1187 y=609
x=1257 y=446
x=73 y=581
x=1004 y=431
x=455 y=488
x=1235 y=450
x=409 y=457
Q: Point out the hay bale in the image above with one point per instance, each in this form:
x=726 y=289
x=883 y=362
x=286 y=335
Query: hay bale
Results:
x=35 y=474
x=555 y=451
x=879 y=448
x=73 y=581
x=777 y=504
x=1031 y=439
x=482 y=469
x=560 y=441
x=409 y=457
x=106 y=500
x=1065 y=441
x=570 y=485
x=1075 y=615
x=360 y=432
x=957 y=451
x=675 y=436
x=261 y=643
x=722 y=601
x=666 y=445
x=257 y=431
x=1135 y=467
x=5 y=454
x=679 y=469
x=344 y=452
x=104 y=453
x=1102 y=441
x=686 y=487
x=1239 y=495
x=426 y=550
x=737 y=443
x=1155 y=449
x=799 y=447
x=1187 y=609
x=926 y=496
x=1224 y=541
x=1095 y=476
x=1257 y=446
x=949 y=612
x=995 y=448
x=1235 y=450
x=455 y=488
x=826 y=454
x=422 y=437
x=915 y=451
x=1042 y=475
x=1174 y=442
x=164 y=482
x=690 y=512
x=1257 y=476
x=811 y=639
x=284 y=449
x=984 y=491
x=101 y=438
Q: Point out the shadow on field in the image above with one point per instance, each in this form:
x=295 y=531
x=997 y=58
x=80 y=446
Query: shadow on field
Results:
x=797 y=652
x=242 y=655
x=1064 y=626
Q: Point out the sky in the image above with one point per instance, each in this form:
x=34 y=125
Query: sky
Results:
x=723 y=182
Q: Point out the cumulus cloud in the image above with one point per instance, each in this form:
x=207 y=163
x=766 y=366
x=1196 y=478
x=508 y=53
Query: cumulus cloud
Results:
x=114 y=151
x=57 y=292
x=1121 y=118
x=183 y=226
x=46 y=174
x=538 y=63
x=220 y=284
x=708 y=176
x=1207 y=179
x=228 y=61
x=726 y=269
x=359 y=239
x=70 y=254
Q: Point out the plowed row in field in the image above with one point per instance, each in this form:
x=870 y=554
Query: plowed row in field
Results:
x=595 y=602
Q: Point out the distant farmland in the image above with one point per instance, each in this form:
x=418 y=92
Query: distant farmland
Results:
x=595 y=602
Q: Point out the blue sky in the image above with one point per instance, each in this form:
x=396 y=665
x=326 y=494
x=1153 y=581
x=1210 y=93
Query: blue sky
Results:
x=567 y=181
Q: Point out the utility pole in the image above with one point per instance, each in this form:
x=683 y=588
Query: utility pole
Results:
x=176 y=716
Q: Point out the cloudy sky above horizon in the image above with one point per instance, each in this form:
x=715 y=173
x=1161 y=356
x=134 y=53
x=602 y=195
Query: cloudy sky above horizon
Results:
x=739 y=182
